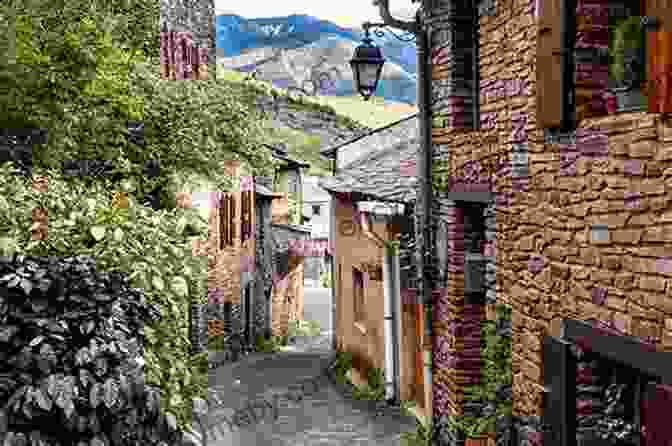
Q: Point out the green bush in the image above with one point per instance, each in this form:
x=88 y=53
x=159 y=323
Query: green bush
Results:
x=70 y=356
x=325 y=279
x=303 y=328
x=342 y=365
x=375 y=387
x=263 y=345
x=495 y=372
x=422 y=436
x=150 y=247
x=216 y=343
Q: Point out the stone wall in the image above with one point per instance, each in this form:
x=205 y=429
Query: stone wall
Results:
x=583 y=233
x=284 y=113
x=194 y=16
x=287 y=297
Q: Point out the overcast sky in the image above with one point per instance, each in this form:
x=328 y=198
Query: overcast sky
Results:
x=346 y=13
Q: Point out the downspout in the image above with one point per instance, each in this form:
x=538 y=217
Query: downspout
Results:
x=425 y=195
x=391 y=319
x=332 y=246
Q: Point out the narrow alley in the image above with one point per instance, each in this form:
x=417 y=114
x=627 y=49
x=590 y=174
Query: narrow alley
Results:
x=290 y=398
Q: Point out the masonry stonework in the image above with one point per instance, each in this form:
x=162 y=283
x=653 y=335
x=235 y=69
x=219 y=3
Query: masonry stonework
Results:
x=592 y=241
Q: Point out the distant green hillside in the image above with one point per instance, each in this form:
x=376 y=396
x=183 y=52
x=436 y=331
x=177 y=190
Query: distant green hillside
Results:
x=373 y=113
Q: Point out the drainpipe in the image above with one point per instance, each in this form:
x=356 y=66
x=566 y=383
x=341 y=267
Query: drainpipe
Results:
x=423 y=201
x=332 y=240
x=391 y=311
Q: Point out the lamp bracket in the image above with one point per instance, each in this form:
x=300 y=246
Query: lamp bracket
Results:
x=384 y=8
x=378 y=31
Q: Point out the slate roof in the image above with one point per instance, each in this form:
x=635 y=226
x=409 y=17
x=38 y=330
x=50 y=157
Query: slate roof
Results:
x=379 y=173
x=377 y=139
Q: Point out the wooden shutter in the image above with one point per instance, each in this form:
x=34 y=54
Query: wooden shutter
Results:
x=232 y=218
x=659 y=56
x=227 y=214
x=246 y=217
x=560 y=393
x=223 y=218
x=549 y=63
x=655 y=416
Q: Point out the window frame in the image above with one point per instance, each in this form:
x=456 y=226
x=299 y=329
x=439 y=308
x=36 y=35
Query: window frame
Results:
x=358 y=299
x=569 y=29
x=227 y=218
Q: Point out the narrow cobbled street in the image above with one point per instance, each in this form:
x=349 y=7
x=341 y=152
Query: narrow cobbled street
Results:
x=288 y=398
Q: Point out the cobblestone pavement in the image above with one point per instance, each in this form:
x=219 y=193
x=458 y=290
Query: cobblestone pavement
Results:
x=317 y=415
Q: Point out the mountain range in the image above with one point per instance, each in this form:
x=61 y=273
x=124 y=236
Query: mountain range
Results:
x=310 y=56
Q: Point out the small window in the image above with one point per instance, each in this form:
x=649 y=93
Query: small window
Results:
x=316 y=210
x=227 y=216
x=457 y=49
x=358 y=295
x=613 y=60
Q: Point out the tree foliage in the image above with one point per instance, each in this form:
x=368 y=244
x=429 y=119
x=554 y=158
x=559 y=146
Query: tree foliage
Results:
x=83 y=69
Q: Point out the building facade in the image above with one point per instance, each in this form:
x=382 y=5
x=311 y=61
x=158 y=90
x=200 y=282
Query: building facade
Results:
x=553 y=182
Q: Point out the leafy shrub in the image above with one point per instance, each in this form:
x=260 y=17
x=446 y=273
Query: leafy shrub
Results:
x=342 y=365
x=496 y=376
x=71 y=340
x=325 y=279
x=374 y=389
x=303 y=328
x=263 y=345
x=421 y=437
x=216 y=343
x=151 y=247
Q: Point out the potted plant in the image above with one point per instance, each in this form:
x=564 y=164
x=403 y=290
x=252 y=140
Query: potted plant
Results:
x=626 y=66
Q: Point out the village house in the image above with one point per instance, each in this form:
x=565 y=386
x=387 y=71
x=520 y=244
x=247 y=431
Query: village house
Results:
x=255 y=282
x=316 y=213
x=552 y=144
x=370 y=198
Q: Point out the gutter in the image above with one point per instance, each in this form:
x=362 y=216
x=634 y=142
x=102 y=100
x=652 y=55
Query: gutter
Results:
x=392 y=310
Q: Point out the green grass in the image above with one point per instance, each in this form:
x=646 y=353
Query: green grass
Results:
x=372 y=113
x=349 y=111
x=303 y=146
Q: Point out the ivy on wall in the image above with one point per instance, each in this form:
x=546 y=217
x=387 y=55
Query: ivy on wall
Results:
x=496 y=375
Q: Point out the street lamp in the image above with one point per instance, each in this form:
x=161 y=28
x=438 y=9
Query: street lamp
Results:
x=364 y=69
x=367 y=64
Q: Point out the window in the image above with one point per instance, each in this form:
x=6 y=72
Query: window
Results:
x=227 y=215
x=602 y=57
x=316 y=209
x=293 y=182
x=246 y=218
x=456 y=98
x=358 y=295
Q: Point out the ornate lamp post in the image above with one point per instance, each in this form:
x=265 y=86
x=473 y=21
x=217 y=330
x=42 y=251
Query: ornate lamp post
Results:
x=366 y=63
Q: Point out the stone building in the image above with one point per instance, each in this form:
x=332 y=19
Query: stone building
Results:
x=562 y=164
x=316 y=210
x=252 y=291
x=370 y=169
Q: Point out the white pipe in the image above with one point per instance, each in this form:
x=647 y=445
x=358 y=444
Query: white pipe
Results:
x=392 y=308
x=396 y=315
x=388 y=284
